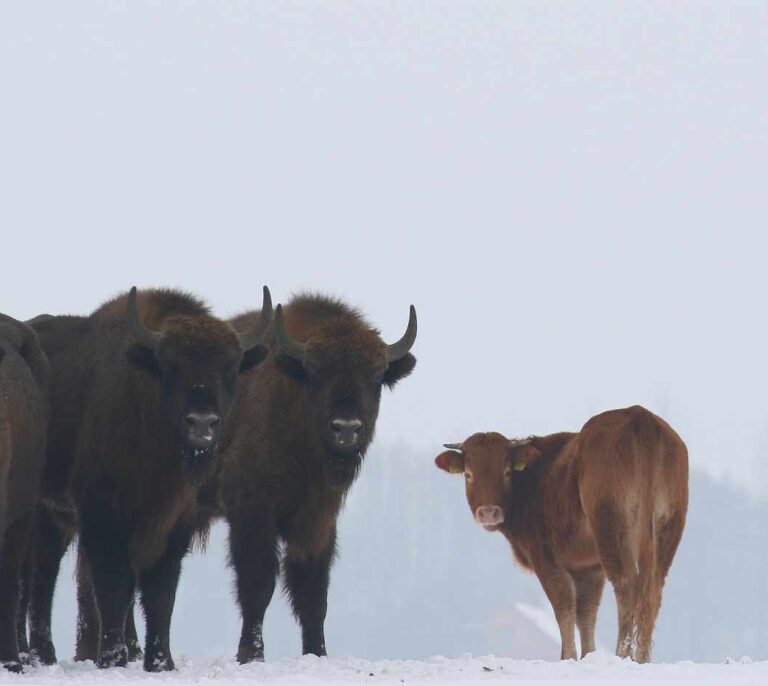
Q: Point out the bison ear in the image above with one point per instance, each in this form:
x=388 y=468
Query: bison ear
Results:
x=450 y=461
x=524 y=457
x=143 y=358
x=252 y=357
x=292 y=367
x=399 y=369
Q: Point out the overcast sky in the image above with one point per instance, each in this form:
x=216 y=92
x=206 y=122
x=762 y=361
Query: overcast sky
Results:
x=573 y=195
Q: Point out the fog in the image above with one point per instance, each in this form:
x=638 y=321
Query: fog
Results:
x=572 y=195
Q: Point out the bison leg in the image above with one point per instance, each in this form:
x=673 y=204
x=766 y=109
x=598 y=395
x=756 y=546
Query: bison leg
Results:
x=89 y=623
x=52 y=535
x=88 y=620
x=561 y=591
x=589 y=590
x=253 y=551
x=105 y=545
x=25 y=580
x=158 y=595
x=14 y=551
x=135 y=652
x=306 y=579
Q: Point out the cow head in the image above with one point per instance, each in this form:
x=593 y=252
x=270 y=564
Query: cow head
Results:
x=342 y=369
x=490 y=464
x=197 y=360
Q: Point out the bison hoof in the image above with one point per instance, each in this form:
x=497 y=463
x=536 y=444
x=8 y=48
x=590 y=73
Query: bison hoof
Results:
x=135 y=652
x=14 y=666
x=114 y=657
x=159 y=663
x=44 y=655
x=246 y=656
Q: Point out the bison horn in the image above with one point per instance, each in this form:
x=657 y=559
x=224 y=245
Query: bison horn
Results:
x=454 y=446
x=401 y=348
x=255 y=335
x=288 y=346
x=141 y=332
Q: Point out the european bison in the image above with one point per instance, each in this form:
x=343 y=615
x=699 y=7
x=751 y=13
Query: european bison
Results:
x=23 y=420
x=151 y=377
x=302 y=423
x=55 y=523
x=610 y=501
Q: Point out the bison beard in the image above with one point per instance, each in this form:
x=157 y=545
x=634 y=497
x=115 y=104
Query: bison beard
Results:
x=301 y=426
x=196 y=462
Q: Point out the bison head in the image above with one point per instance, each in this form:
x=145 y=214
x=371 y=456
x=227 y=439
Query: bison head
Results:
x=342 y=368
x=490 y=464
x=197 y=359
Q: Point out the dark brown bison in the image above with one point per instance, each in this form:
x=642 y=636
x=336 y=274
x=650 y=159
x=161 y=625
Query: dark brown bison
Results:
x=302 y=423
x=55 y=523
x=610 y=501
x=23 y=420
x=147 y=386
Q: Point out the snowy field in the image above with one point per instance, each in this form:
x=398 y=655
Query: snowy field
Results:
x=597 y=668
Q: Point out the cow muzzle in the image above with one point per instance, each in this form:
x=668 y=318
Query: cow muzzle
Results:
x=489 y=515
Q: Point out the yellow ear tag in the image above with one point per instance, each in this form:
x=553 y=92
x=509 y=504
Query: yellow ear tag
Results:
x=455 y=469
x=519 y=466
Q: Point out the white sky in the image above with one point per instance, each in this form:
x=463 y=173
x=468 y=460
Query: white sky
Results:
x=572 y=194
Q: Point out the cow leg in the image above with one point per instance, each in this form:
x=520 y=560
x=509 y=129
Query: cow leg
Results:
x=306 y=579
x=158 y=595
x=589 y=589
x=52 y=535
x=105 y=544
x=561 y=591
x=253 y=552
x=14 y=551
x=615 y=536
x=667 y=538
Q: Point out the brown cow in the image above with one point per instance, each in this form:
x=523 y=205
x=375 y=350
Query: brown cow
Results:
x=23 y=420
x=610 y=501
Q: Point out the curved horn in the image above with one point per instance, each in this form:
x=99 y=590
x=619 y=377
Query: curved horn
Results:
x=141 y=332
x=256 y=334
x=454 y=446
x=285 y=343
x=397 y=350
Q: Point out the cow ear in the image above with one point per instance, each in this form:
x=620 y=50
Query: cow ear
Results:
x=450 y=461
x=253 y=357
x=524 y=457
x=143 y=358
x=399 y=369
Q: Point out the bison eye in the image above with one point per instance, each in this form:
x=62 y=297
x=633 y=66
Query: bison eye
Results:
x=508 y=473
x=468 y=476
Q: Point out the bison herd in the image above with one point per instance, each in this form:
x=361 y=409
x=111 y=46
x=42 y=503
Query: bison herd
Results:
x=132 y=429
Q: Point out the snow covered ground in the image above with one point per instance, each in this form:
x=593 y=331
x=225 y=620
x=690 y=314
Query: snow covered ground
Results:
x=598 y=668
